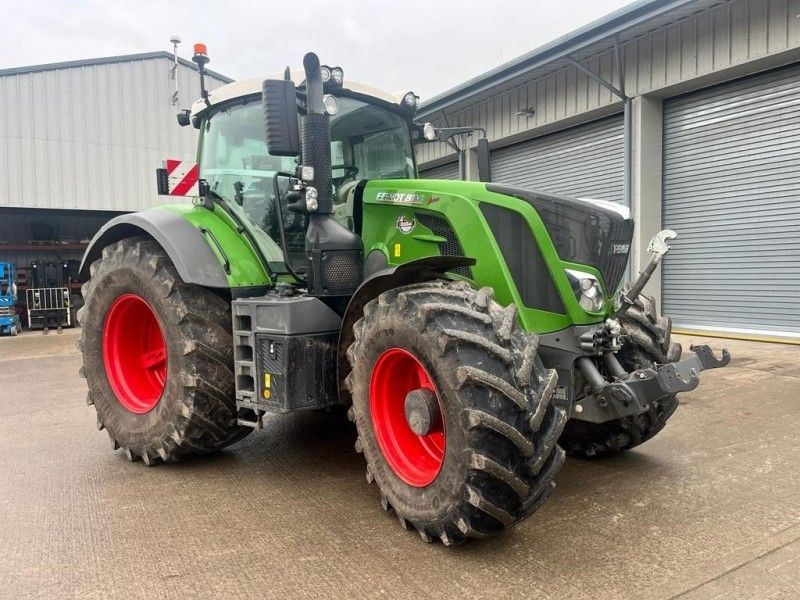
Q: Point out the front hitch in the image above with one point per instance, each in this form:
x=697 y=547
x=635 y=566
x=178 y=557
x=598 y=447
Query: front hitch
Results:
x=634 y=394
x=682 y=376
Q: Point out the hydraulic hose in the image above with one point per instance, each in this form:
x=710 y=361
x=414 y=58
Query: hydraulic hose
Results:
x=282 y=227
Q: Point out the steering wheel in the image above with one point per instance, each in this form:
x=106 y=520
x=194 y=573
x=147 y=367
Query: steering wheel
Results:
x=350 y=172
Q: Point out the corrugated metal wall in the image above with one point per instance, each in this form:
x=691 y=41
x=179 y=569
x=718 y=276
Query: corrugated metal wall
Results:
x=582 y=162
x=732 y=192
x=446 y=171
x=90 y=137
x=703 y=37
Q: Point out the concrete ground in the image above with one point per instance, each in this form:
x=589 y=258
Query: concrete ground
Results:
x=708 y=509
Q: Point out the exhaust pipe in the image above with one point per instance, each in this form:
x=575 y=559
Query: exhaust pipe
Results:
x=333 y=252
x=315 y=132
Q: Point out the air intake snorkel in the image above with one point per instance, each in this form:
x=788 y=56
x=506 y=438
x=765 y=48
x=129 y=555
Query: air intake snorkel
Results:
x=334 y=253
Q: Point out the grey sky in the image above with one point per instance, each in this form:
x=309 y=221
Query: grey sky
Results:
x=428 y=46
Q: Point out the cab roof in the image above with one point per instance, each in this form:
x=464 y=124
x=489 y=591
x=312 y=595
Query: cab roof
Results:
x=248 y=87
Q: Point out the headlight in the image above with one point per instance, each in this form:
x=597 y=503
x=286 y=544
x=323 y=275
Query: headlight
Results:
x=330 y=104
x=325 y=72
x=410 y=101
x=587 y=290
x=337 y=74
x=429 y=132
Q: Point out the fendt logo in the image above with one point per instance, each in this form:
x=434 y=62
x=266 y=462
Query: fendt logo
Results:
x=405 y=225
x=400 y=197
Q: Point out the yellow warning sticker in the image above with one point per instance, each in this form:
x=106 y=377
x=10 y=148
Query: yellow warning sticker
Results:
x=397 y=250
x=267 y=394
x=267 y=380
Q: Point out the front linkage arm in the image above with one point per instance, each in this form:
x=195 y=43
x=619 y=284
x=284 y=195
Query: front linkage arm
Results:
x=657 y=248
x=633 y=394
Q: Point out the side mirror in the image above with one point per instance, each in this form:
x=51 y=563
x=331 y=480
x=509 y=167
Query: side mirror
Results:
x=484 y=162
x=279 y=103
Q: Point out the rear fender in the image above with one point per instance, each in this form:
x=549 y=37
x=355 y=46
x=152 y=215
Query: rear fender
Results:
x=185 y=245
x=201 y=245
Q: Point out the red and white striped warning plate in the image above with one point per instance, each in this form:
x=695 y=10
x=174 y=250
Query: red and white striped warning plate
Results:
x=182 y=177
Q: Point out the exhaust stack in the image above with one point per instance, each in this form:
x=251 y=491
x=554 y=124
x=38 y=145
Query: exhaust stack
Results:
x=334 y=254
x=316 y=136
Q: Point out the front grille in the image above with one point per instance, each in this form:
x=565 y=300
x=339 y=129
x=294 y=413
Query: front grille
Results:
x=614 y=265
x=523 y=258
x=451 y=246
x=582 y=232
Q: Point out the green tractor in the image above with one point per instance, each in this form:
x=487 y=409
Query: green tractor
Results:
x=475 y=333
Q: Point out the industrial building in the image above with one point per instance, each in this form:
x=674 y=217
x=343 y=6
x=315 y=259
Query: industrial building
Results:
x=686 y=111
x=79 y=144
x=701 y=99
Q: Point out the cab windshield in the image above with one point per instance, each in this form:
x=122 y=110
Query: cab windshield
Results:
x=367 y=142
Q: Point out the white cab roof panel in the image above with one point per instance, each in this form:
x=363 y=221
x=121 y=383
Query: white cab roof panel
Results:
x=248 y=87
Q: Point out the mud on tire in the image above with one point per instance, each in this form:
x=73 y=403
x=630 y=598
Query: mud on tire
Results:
x=647 y=341
x=501 y=428
x=196 y=412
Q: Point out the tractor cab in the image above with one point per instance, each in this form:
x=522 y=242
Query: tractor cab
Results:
x=370 y=139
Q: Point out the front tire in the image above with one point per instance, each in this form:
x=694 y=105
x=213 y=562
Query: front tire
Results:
x=487 y=456
x=157 y=356
x=647 y=341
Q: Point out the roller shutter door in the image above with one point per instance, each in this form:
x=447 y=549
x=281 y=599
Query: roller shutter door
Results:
x=583 y=162
x=732 y=192
x=448 y=171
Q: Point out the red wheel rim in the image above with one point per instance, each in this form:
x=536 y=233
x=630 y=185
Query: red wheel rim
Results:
x=135 y=353
x=416 y=459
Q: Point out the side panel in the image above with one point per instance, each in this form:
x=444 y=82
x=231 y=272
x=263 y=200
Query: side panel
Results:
x=203 y=245
x=284 y=354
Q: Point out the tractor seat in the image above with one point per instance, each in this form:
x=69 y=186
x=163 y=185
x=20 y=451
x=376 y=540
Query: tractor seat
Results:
x=343 y=203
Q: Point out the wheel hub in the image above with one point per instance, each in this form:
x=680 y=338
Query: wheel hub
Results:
x=134 y=353
x=407 y=417
x=422 y=411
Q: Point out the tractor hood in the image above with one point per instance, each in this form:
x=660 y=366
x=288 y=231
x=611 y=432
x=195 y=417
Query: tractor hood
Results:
x=584 y=231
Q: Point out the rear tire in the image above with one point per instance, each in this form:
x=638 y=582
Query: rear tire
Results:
x=496 y=456
x=187 y=407
x=647 y=341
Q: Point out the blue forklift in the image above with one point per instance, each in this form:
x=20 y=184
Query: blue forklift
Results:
x=9 y=319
